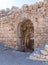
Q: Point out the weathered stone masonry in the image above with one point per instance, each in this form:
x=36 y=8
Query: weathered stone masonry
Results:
x=10 y=21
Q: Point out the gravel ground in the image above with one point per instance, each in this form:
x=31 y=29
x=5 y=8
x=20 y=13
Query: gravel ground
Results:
x=12 y=57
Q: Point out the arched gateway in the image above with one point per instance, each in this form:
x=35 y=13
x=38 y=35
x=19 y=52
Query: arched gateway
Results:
x=26 y=35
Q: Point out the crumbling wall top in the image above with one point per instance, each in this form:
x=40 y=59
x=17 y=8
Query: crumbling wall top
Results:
x=24 y=8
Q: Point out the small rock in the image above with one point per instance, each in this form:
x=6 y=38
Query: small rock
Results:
x=44 y=52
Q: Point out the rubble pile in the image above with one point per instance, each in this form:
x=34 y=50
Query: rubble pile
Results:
x=43 y=56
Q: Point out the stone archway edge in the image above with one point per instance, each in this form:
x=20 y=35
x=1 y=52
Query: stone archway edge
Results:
x=23 y=28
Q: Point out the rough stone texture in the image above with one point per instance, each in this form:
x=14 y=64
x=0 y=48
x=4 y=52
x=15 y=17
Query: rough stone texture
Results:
x=42 y=55
x=10 y=20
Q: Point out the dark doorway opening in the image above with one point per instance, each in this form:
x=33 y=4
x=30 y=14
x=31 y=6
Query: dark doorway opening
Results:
x=27 y=35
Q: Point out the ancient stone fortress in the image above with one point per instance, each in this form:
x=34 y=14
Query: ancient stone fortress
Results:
x=25 y=28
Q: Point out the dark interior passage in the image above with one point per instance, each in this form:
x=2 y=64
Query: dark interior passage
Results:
x=27 y=35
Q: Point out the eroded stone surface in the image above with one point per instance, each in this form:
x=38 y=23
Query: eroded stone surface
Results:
x=10 y=19
x=43 y=56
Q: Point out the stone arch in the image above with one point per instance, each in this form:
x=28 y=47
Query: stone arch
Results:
x=25 y=34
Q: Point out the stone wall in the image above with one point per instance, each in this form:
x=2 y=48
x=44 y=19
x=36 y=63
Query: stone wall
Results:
x=10 y=19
